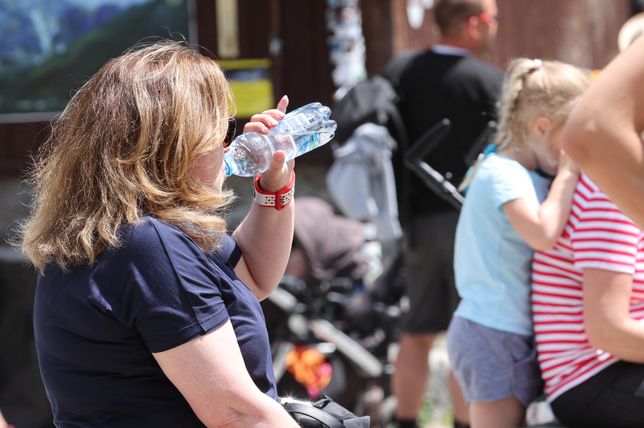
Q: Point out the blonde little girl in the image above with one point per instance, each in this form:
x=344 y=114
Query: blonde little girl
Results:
x=506 y=216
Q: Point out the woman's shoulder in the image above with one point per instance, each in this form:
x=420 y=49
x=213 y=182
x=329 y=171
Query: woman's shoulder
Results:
x=148 y=232
x=153 y=237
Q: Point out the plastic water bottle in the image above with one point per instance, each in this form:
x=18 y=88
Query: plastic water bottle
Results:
x=300 y=131
x=310 y=117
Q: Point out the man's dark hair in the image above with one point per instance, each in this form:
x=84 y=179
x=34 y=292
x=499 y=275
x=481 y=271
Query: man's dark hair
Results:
x=637 y=6
x=450 y=15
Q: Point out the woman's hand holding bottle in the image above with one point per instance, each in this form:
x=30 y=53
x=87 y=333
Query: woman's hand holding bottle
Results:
x=278 y=174
x=302 y=130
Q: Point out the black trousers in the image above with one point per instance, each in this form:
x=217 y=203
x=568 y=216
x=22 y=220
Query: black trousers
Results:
x=613 y=398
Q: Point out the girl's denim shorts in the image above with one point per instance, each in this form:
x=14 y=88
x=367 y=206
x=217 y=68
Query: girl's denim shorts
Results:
x=491 y=364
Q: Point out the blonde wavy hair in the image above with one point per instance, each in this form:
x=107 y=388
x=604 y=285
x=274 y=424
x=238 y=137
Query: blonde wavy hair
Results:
x=123 y=148
x=535 y=88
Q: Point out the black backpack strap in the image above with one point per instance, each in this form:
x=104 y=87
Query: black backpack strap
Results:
x=393 y=71
x=397 y=65
x=312 y=412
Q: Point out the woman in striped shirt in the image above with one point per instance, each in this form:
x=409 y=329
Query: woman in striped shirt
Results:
x=588 y=313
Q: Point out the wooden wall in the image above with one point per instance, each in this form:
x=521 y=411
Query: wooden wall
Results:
x=582 y=32
x=17 y=142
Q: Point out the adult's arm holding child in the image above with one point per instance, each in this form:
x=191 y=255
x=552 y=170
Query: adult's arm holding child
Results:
x=604 y=132
x=609 y=326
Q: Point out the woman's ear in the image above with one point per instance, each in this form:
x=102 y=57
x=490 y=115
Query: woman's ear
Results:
x=541 y=126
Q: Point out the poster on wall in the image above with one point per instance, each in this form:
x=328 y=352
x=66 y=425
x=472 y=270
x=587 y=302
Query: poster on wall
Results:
x=346 y=43
x=48 y=49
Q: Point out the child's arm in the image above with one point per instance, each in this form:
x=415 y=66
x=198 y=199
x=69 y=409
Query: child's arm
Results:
x=541 y=225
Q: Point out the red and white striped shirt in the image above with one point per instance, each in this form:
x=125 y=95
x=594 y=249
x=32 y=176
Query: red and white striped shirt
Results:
x=598 y=236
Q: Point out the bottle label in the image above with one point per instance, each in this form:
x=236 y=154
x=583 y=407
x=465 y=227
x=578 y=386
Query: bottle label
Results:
x=306 y=142
x=296 y=122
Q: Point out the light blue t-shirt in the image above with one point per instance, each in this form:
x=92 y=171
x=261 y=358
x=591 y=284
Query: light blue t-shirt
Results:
x=491 y=261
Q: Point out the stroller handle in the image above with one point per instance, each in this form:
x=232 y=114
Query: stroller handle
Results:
x=432 y=178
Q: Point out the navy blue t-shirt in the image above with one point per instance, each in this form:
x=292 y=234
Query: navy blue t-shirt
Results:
x=96 y=326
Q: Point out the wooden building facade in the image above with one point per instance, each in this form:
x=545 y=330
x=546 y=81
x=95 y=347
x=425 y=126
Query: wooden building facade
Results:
x=294 y=36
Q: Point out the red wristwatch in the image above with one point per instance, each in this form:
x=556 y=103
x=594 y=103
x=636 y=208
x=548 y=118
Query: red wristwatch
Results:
x=278 y=199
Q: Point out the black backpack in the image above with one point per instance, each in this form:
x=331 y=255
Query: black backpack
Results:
x=373 y=100
x=324 y=413
x=370 y=101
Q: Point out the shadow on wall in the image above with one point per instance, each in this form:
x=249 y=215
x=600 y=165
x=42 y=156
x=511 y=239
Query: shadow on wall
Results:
x=23 y=402
x=22 y=396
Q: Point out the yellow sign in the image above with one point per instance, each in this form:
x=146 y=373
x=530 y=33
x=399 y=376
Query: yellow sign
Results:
x=251 y=84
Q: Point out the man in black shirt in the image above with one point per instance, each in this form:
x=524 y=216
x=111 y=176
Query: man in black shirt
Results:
x=447 y=81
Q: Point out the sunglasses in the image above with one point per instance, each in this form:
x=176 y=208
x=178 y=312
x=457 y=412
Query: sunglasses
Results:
x=488 y=17
x=230 y=133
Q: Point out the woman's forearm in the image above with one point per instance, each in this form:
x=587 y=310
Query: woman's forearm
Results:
x=622 y=338
x=266 y=234
x=268 y=414
x=607 y=319
x=265 y=237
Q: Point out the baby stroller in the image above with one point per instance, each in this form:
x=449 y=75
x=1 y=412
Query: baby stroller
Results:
x=329 y=329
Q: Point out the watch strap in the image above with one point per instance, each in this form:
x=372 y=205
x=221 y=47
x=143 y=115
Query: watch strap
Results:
x=278 y=199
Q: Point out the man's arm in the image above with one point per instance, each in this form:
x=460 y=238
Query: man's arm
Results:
x=604 y=132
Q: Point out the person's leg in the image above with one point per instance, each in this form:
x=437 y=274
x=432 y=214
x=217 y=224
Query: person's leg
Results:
x=496 y=370
x=459 y=407
x=447 y=223
x=411 y=375
x=492 y=367
x=432 y=300
x=423 y=321
x=505 y=413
